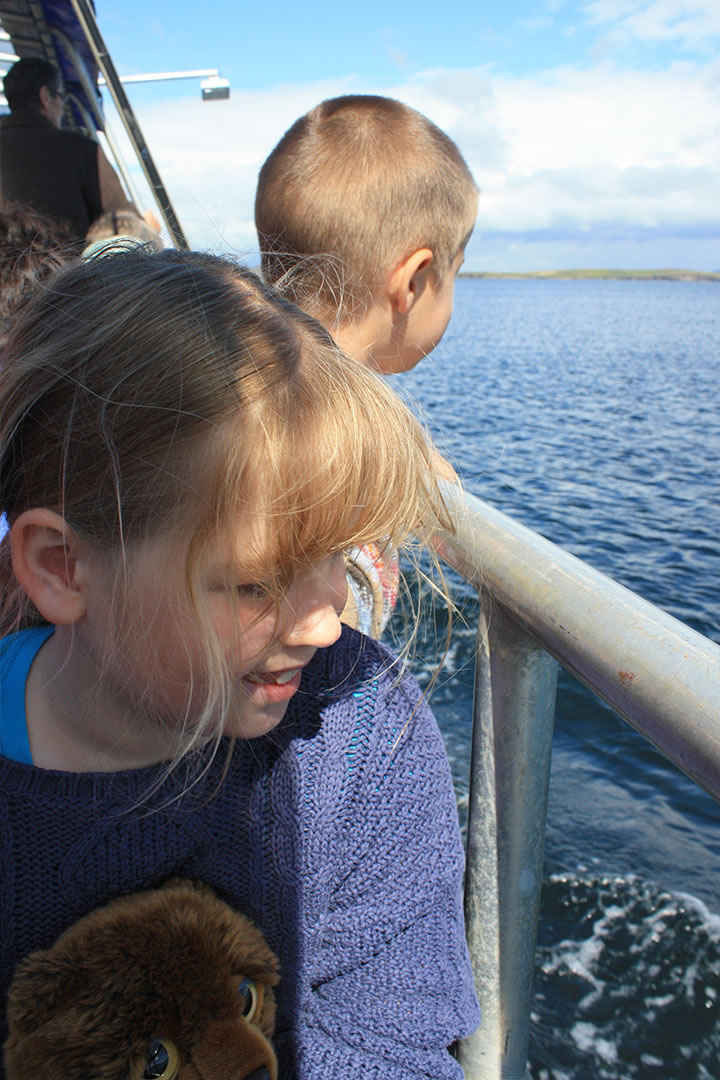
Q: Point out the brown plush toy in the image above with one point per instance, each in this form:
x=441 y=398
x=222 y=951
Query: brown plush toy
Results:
x=168 y=984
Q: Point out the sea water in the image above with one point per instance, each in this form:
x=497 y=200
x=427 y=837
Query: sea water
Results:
x=588 y=410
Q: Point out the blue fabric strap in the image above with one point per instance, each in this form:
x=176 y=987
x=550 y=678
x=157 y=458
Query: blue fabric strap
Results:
x=17 y=652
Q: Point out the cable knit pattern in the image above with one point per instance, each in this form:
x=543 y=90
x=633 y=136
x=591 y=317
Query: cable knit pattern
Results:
x=337 y=834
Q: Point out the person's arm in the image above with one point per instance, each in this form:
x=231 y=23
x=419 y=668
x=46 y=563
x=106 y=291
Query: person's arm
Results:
x=391 y=986
x=112 y=194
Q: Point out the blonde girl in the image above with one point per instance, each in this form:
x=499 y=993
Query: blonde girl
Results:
x=184 y=456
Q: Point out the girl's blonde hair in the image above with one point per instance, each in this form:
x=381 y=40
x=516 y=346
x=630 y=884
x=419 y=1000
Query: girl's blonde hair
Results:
x=167 y=396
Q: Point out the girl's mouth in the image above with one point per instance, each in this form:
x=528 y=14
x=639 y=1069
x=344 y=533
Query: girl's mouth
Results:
x=271 y=687
x=268 y=678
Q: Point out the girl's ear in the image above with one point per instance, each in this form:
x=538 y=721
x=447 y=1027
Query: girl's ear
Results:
x=47 y=562
x=409 y=278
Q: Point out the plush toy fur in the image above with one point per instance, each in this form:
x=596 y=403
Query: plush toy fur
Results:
x=168 y=964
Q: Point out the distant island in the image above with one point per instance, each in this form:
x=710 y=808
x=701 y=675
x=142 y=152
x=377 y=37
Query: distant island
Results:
x=626 y=275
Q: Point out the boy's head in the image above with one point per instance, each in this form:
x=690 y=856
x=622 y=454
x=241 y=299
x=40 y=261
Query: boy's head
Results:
x=123 y=223
x=352 y=192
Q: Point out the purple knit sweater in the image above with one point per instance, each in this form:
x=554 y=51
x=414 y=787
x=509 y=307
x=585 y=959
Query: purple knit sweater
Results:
x=337 y=834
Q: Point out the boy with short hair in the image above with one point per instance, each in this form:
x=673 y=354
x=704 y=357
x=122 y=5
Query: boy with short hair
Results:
x=363 y=211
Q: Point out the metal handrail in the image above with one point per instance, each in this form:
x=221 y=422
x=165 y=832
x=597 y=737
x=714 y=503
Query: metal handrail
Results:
x=541 y=605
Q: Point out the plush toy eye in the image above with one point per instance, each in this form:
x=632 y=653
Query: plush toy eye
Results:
x=162 y=1061
x=247 y=988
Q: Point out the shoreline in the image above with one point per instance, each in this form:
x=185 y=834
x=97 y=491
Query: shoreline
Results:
x=612 y=275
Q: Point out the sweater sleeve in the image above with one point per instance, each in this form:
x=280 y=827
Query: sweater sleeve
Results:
x=390 y=985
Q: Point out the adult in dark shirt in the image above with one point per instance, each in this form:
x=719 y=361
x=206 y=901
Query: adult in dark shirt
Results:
x=61 y=174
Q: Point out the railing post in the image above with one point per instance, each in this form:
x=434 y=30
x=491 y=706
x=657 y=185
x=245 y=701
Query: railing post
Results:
x=513 y=716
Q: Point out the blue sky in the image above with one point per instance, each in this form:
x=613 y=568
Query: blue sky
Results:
x=591 y=126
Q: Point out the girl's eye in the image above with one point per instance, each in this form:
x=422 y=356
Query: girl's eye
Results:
x=247 y=988
x=252 y=590
x=162 y=1061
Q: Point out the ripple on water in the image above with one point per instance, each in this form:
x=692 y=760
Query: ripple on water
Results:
x=626 y=982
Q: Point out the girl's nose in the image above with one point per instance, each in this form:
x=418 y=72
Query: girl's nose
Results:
x=314 y=603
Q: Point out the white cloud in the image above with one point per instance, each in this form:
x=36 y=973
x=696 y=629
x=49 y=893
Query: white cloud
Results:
x=568 y=150
x=604 y=145
x=691 y=22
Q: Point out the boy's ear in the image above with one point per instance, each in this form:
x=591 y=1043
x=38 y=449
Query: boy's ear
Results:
x=409 y=279
x=45 y=557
